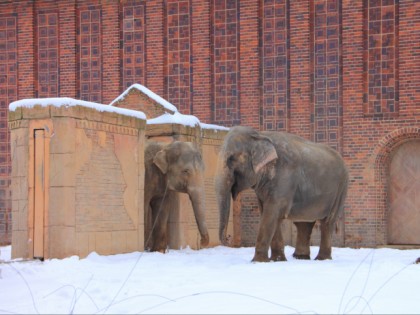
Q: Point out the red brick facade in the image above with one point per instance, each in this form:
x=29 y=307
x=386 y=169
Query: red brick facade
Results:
x=346 y=73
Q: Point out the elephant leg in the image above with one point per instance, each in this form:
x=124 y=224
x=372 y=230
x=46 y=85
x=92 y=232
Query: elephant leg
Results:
x=304 y=231
x=325 y=247
x=267 y=229
x=148 y=226
x=160 y=224
x=277 y=244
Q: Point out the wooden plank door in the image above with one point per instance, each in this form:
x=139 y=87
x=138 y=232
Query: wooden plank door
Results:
x=404 y=195
x=39 y=198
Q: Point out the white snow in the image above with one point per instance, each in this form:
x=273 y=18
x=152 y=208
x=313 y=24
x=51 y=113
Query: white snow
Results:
x=211 y=126
x=181 y=119
x=213 y=281
x=149 y=93
x=166 y=118
x=176 y=118
x=68 y=102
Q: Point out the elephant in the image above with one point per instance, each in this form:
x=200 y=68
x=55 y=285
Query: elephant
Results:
x=293 y=178
x=170 y=169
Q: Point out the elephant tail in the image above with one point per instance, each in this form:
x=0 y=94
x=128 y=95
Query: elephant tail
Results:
x=338 y=206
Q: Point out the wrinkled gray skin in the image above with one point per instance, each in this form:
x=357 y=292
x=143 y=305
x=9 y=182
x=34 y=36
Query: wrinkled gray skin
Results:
x=293 y=178
x=169 y=169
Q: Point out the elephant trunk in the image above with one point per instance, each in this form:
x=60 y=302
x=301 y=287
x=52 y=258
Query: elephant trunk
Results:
x=197 y=200
x=223 y=189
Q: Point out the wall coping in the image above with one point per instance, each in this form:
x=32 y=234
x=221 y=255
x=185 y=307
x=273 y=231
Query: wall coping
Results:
x=161 y=101
x=70 y=102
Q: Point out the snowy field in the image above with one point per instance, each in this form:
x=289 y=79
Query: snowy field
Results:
x=215 y=280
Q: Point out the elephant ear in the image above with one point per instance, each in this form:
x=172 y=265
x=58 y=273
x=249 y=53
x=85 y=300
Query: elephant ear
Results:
x=160 y=161
x=263 y=152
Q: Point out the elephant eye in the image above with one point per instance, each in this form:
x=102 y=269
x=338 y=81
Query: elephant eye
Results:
x=230 y=160
x=186 y=171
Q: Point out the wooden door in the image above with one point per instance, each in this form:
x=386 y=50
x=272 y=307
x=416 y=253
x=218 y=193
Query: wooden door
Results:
x=404 y=195
x=39 y=198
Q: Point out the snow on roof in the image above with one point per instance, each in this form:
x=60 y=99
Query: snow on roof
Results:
x=68 y=102
x=186 y=120
x=149 y=93
x=176 y=118
x=211 y=126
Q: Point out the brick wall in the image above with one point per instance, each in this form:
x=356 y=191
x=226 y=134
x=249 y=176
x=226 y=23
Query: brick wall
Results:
x=341 y=72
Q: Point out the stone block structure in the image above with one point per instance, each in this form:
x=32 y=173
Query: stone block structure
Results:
x=78 y=175
x=77 y=179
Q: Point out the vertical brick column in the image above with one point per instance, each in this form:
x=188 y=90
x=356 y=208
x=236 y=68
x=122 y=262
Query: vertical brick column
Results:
x=249 y=63
x=47 y=50
x=90 y=52
x=275 y=65
x=408 y=56
x=155 y=47
x=353 y=59
x=381 y=75
x=201 y=94
x=67 y=54
x=327 y=109
x=110 y=51
x=133 y=37
x=178 y=54
x=26 y=48
x=225 y=53
x=8 y=93
x=300 y=68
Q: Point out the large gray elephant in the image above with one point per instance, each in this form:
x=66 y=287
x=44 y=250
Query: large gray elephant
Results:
x=169 y=169
x=292 y=177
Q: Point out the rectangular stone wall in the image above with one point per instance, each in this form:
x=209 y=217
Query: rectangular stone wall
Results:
x=78 y=185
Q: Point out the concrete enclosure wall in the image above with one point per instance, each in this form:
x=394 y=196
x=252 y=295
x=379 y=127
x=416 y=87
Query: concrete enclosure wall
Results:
x=77 y=182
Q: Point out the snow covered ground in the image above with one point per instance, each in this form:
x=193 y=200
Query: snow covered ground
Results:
x=214 y=280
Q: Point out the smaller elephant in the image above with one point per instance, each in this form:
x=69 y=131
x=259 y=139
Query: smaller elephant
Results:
x=169 y=169
x=293 y=179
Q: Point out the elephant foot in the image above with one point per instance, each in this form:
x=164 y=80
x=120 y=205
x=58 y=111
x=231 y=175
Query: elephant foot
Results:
x=278 y=256
x=260 y=258
x=301 y=256
x=159 y=249
x=204 y=241
x=323 y=257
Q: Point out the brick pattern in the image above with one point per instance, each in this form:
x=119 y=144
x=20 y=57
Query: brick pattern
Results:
x=68 y=51
x=48 y=74
x=381 y=29
x=225 y=62
x=155 y=46
x=200 y=45
x=107 y=203
x=327 y=101
x=8 y=93
x=249 y=217
x=134 y=43
x=249 y=63
x=90 y=54
x=363 y=129
x=275 y=65
x=178 y=66
x=300 y=69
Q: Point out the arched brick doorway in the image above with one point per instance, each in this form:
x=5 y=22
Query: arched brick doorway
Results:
x=404 y=194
